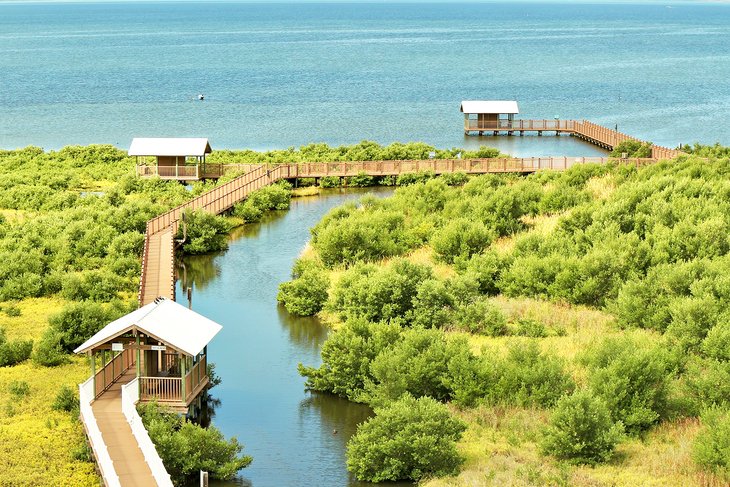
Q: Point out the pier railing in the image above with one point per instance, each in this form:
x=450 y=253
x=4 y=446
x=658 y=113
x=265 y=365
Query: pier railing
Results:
x=130 y=397
x=112 y=370
x=169 y=389
x=96 y=440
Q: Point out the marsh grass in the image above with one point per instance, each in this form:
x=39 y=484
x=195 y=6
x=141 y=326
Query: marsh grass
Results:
x=31 y=432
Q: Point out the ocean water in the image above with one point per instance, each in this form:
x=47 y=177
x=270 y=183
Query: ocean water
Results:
x=279 y=75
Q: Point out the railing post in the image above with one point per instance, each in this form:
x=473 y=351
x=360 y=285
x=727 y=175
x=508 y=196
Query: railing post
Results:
x=183 y=364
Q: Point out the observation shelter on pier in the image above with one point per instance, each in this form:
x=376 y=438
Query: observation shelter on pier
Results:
x=481 y=115
x=174 y=158
x=158 y=352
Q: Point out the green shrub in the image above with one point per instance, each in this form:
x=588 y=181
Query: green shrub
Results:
x=711 y=448
x=379 y=294
x=362 y=180
x=13 y=352
x=486 y=269
x=717 y=343
x=78 y=322
x=65 y=400
x=632 y=378
x=632 y=148
x=528 y=327
x=305 y=295
x=483 y=317
x=330 y=182
x=408 y=439
x=454 y=178
x=11 y=310
x=417 y=364
x=529 y=377
x=346 y=357
x=48 y=351
x=186 y=448
x=460 y=239
x=581 y=430
x=706 y=383
x=204 y=232
x=413 y=178
x=432 y=305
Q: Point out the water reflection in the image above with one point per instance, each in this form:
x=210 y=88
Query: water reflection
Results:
x=305 y=331
x=196 y=271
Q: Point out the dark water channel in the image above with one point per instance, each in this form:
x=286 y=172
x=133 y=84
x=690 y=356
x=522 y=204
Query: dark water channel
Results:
x=289 y=432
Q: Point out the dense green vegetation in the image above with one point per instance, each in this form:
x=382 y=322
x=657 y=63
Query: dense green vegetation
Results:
x=186 y=448
x=648 y=246
x=72 y=228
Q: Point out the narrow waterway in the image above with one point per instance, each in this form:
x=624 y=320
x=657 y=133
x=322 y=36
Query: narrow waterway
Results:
x=296 y=438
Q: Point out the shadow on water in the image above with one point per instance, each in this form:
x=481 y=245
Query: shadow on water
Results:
x=306 y=331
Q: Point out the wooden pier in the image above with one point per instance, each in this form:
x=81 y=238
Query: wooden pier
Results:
x=157 y=277
x=599 y=135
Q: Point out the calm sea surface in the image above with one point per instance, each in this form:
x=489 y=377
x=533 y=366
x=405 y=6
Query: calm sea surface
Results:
x=278 y=75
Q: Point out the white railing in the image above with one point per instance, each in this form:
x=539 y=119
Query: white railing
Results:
x=130 y=397
x=103 y=459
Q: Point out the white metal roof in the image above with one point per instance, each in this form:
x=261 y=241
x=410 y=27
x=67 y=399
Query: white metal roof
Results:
x=489 y=106
x=164 y=320
x=142 y=146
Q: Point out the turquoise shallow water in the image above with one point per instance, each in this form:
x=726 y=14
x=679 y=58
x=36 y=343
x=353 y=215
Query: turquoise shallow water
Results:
x=277 y=75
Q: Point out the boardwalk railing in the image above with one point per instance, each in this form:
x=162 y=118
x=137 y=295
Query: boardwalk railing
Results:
x=130 y=397
x=101 y=453
x=594 y=133
x=112 y=370
x=226 y=195
x=169 y=389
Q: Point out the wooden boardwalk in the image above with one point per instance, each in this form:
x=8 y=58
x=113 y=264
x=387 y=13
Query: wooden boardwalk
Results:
x=583 y=129
x=129 y=462
x=157 y=278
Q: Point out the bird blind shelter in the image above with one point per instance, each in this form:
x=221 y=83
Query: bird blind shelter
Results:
x=163 y=344
x=175 y=158
x=484 y=115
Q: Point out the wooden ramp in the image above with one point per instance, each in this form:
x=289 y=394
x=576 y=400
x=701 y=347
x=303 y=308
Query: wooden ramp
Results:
x=129 y=462
x=158 y=277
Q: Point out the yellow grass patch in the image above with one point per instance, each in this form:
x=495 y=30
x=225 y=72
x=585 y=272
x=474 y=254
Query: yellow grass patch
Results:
x=37 y=444
x=306 y=191
x=601 y=188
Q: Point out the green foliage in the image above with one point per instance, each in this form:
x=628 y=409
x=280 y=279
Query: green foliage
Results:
x=273 y=197
x=77 y=322
x=48 y=351
x=330 y=182
x=529 y=377
x=65 y=400
x=581 y=430
x=346 y=358
x=305 y=295
x=528 y=327
x=186 y=448
x=379 y=294
x=347 y=235
x=433 y=305
x=13 y=352
x=632 y=378
x=632 y=148
x=711 y=449
x=454 y=178
x=483 y=317
x=362 y=180
x=204 y=233
x=460 y=239
x=417 y=364
x=717 y=343
x=408 y=439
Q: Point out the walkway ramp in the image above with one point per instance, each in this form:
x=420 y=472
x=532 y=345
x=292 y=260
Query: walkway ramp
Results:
x=129 y=462
x=158 y=271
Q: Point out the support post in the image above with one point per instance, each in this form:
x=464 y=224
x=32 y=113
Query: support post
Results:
x=183 y=366
x=93 y=371
x=137 y=357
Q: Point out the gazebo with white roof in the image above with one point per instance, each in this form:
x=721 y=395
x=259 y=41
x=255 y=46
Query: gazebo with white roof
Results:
x=176 y=158
x=484 y=115
x=166 y=343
